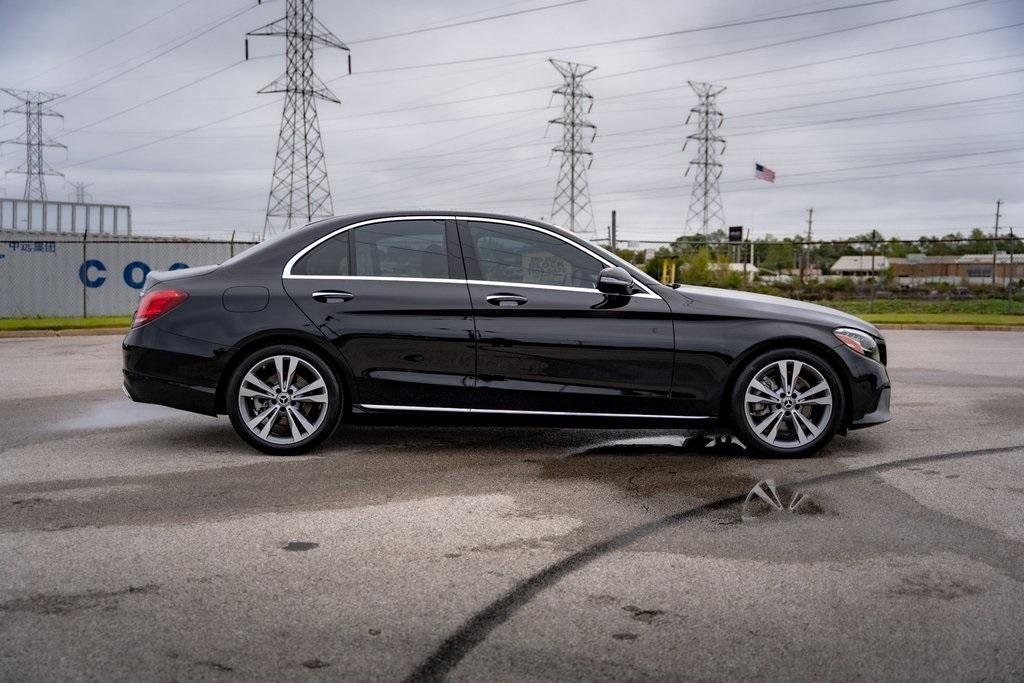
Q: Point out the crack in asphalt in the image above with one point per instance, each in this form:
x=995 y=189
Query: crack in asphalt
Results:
x=477 y=628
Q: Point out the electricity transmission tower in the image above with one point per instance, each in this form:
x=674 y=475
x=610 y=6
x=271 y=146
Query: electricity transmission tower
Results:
x=299 y=190
x=80 y=194
x=34 y=105
x=572 y=196
x=706 y=211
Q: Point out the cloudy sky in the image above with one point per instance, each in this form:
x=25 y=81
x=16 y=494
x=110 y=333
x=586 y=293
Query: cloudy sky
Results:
x=905 y=115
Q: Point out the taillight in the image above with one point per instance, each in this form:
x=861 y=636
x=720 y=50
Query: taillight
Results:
x=155 y=304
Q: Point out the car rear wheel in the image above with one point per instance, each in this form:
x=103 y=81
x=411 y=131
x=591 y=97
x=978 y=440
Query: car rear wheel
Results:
x=284 y=400
x=787 y=403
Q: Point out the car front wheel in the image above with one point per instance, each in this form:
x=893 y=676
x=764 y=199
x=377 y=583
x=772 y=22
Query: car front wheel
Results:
x=284 y=400
x=787 y=403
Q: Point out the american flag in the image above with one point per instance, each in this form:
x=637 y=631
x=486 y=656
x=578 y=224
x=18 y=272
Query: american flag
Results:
x=764 y=173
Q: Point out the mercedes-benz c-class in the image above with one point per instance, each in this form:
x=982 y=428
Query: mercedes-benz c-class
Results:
x=473 y=317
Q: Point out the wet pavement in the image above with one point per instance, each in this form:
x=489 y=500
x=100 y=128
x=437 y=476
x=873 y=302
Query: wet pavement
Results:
x=139 y=542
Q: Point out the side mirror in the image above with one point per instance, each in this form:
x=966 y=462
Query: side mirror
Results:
x=615 y=280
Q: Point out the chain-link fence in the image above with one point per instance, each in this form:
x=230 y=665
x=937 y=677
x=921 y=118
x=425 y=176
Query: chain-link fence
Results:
x=62 y=275
x=71 y=275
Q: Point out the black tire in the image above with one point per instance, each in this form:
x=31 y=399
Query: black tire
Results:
x=795 y=437
x=284 y=426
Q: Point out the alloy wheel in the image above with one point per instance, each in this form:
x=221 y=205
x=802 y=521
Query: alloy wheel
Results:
x=283 y=399
x=788 y=403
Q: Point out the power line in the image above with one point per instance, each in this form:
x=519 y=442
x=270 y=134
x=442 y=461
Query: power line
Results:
x=151 y=99
x=528 y=90
x=800 y=39
x=860 y=117
x=879 y=51
x=109 y=42
x=467 y=22
x=631 y=72
x=649 y=36
x=176 y=134
x=191 y=38
x=846 y=170
x=853 y=98
x=880 y=94
x=348 y=129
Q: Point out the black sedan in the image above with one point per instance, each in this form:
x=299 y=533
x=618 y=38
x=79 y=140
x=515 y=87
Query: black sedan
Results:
x=472 y=317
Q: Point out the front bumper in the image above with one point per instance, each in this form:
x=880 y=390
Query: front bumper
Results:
x=880 y=413
x=870 y=390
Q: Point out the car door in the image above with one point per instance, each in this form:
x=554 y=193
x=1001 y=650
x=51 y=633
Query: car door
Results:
x=391 y=295
x=547 y=339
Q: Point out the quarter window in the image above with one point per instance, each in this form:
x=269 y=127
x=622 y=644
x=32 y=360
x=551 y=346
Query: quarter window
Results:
x=505 y=253
x=329 y=258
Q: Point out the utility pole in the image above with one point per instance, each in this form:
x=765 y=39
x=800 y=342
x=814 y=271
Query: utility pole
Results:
x=705 y=209
x=995 y=241
x=741 y=255
x=34 y=105
x=807 y=247
x=1009 y=282
x=299 y=191
x=874 y=276
x=613 y=236
x=572 y=195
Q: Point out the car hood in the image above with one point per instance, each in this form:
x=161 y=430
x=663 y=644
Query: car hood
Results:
x=730 y=302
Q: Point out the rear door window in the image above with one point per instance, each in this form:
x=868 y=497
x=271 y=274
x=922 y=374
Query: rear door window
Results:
x=408 y=248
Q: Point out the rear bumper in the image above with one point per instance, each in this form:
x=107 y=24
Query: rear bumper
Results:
x=171 y=370
x=194 y=399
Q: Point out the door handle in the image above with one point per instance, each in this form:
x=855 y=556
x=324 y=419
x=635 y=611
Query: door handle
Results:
x=332 y=296
x=506 y=300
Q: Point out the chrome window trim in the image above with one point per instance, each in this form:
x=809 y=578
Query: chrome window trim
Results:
x=381 y=278
x=563 y=288
x=583 y=290
x=287 y=273
x=489 y=411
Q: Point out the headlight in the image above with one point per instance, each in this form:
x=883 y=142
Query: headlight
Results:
x=861 y=342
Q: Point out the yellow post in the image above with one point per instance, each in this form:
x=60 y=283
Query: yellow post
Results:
x=668 y=271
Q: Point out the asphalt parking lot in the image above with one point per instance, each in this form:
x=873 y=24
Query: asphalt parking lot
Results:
x=137 y=542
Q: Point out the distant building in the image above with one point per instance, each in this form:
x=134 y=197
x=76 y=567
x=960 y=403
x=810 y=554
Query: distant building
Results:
x=861 y=266
x=48 y=216
x=975 y=269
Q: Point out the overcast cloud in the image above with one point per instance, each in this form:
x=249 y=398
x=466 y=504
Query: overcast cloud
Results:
x=931 y=158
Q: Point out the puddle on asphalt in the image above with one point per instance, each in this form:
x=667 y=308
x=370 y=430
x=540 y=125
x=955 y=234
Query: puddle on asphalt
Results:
x=648 y=466
x=666 y=445
x=766 y=499
x=113 y=414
